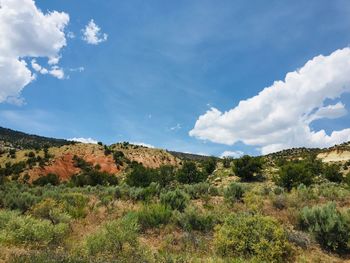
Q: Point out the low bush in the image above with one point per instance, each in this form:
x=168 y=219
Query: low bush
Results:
x=234 y=192
x=51 y=210
x=17 y=200
x=193 y=219
x=75 y=204
x=176 y=200
x=330 y=227
x=198 y=190
x=252 y=236
x=117 y=238
x=153 y=216
x=27 y=230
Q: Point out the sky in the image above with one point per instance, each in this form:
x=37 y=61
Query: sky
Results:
x=202 y=76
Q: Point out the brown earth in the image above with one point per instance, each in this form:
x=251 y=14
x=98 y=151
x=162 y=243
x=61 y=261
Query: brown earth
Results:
x=62 y=163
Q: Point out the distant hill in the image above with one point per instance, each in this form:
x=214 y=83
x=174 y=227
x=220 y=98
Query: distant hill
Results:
x=189 y=156
x=21 y=140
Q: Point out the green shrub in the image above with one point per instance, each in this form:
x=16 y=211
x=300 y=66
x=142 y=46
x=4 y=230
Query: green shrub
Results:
x=51 y=210
x=50 y=178
x=198 y=190
x=293 y=174
x=193 y=219
x=176 y=200
x=248 y=168
x=153 y=216
x=26 y=230
x=252 y=236
x=165 y=174
x=330 y=227
x=140 y=176
x=75 y=204
x=332 y=173
x=114 y=237
x=18 y=200
x=189 y=174
x=209 y=165
x=234 y=192
x=47 y=256
x=144 y=193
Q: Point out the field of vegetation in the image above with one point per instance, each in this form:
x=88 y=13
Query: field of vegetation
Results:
x=251 y=209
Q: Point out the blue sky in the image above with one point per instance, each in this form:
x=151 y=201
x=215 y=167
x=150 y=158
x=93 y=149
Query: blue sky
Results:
x=165 y=63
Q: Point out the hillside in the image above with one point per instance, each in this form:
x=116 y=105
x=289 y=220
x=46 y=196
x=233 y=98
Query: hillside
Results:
x=129 y=203
x=21 y=140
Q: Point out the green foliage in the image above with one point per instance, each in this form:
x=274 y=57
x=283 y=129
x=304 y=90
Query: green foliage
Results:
x=293 y=174
x=226 y=162
x=166 y=174
x=21 y=201
x=140 y=176
x=198 y=190
x=248 y=168
x=91 y=175
x=234 y=192
x=330 y=227
x=75 y=204
x=50 y=178
x=193 y=219
x=26 y=230
x=176 y=200
x=209 y=165
x=332 y=173
x=252 y=236
x=47 y=256
x=114 y=237
x=189 y=174
x=52 y=210
x=153 y=216
x=144 y=193
x=93 y=178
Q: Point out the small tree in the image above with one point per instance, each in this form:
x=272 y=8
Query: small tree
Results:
x=332 y=173
x=140 y=176
x=189 y=174
x=293 y=174
x=209 y=165
x=248 y=168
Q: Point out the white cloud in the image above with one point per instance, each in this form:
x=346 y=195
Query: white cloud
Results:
x=279 y=116
x=83 y=140
x=79 y=69
x=176 y=127
x=92 y=34
x=25 y=31
x=143 y=144
x=234 y=154
x=57 y=72
x=38 y=68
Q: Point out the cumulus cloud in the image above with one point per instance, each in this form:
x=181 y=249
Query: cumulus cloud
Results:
x=83 y=140
x=234 y=154
x=26 y=32
x=279 y=117
x=143 y=144
x=92 y=34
